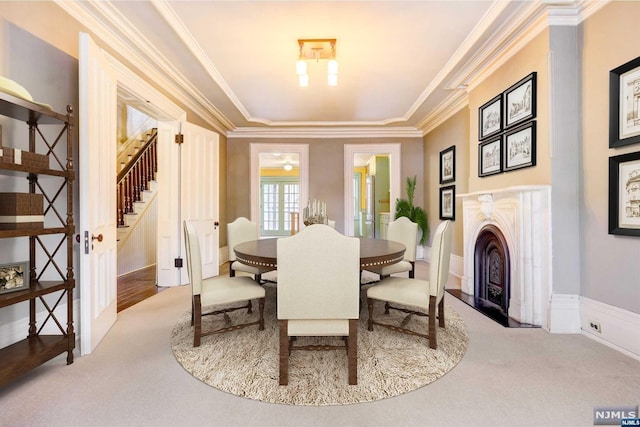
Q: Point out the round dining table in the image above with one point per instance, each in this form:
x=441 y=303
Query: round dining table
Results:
x=263 y=253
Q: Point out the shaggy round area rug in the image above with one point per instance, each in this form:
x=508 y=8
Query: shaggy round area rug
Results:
x=245 y=362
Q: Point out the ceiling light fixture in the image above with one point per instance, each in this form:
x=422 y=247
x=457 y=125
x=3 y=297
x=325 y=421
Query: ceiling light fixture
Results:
x=317 y=49
x=288 y=166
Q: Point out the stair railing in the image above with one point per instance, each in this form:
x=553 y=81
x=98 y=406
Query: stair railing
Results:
x=134 y=178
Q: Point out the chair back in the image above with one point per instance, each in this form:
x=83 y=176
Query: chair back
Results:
x=405 y=231
x=440 y=255
x=239 y=231
x=194 y=262
x=318 y=275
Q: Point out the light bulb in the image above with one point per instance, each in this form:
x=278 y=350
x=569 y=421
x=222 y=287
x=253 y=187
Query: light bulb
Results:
x=332 y=67
x=301 y=67
x=303 y=80
x=332 y=79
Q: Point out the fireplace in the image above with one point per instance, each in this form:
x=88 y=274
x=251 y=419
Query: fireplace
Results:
x=492 y=274
x=507 y=251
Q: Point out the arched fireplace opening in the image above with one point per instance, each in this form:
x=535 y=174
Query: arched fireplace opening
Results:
x=492 y=275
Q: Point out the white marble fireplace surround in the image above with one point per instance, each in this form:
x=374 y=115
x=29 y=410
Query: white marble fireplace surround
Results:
x=523 y=215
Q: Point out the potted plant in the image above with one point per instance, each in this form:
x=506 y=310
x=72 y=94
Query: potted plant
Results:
x=405 y=207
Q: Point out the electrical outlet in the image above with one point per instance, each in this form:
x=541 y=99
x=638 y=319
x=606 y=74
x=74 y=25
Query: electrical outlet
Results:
x=596 y=327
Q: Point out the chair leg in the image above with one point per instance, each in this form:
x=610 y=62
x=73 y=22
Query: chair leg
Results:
x=433 y=340
x=441 y=312
x=249 y=310
x=232 y=272
x=352 y=351
x=370 y=321
x=412 y=272
x=197 y=315
x=261 y=311
x=258 y=279
x=284 y=352
x=386 y=307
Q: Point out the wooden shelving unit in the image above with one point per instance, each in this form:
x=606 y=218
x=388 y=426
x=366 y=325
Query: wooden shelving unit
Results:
x=37 y=348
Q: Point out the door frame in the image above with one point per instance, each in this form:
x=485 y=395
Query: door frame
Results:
x=164 y=110
x=303 y=155
x=393 y=150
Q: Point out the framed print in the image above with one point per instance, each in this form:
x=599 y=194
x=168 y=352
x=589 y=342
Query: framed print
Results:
x=448 y=165
x=490 y=157
x=14 y=277
x=520 y=101
x=624 y=103
x=520 y=147
x=490 y=118
x=448 y=202
x=624 y=194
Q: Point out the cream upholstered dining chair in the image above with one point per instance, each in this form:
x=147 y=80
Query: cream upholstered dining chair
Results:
x=217 y=291
x=239 y=231
x=421 y=294
x=318 y=293
x=405 y=231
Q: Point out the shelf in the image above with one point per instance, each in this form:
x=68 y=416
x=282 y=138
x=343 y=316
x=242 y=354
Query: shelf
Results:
x=20 y=109
x=29 y=353
x=40 y=288
x=22 y=356
x=29 y=232
x=13 y=169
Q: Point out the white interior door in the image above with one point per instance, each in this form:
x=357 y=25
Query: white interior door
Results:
x=188 y=182
x=96 y=184
x=200 y=192
x=169 y=227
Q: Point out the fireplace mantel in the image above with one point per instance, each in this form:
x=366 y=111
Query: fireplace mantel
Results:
x=523 y=215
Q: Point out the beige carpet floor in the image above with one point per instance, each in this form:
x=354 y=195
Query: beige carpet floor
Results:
x=245 y=362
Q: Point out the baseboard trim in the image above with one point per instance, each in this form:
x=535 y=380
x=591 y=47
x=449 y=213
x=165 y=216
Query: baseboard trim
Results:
x=456 y=262
x=564 y=314
x=619 y=328
x=16 y=330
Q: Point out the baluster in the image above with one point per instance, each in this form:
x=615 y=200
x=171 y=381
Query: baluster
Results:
x=129 y=188
x=119 y=213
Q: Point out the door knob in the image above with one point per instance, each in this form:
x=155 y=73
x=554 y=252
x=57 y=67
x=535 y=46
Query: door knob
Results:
x=98 y=237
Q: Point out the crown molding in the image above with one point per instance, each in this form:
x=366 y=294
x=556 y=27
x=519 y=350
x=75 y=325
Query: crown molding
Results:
x=324 y=133
x=445 y=110
x=130 y=44
x=496 y=8
x=171 y=18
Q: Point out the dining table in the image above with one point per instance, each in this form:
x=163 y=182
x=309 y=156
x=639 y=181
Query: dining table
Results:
x=263 y=253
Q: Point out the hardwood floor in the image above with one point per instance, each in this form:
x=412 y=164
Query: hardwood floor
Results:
x=137 y=286
x=140 y=285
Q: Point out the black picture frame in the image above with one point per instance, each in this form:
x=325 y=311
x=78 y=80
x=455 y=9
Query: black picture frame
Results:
x=448 y=202
x=448 y=165
x=624 y=88
x=624 y=194
x=490 y=157
x=519 y=149
x=490 y=118
x=520 y=101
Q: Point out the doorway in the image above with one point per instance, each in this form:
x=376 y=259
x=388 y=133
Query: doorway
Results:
x=279 y=185
x=360 y=168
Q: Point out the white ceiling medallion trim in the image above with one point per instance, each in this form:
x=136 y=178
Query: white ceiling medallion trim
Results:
x=450 y=106
x=135 y=50
x=385 y=132
x=172 y=19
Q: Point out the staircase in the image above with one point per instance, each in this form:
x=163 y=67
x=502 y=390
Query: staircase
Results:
x=136 y=187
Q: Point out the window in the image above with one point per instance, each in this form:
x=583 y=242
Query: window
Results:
x=278 y=197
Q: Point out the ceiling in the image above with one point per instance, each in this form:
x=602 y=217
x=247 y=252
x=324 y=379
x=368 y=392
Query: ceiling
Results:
x=404 y=66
